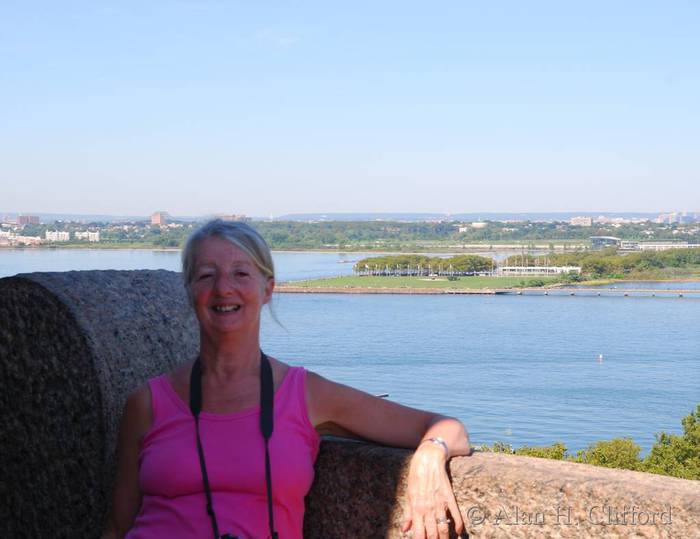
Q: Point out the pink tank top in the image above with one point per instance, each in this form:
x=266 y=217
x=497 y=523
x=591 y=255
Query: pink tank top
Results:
x=174 y=504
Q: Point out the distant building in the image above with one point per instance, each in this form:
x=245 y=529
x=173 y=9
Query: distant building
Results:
x=601 y=242
x=677 y=217
x=536 y=270
x=581 y=221
x=465 y=228
x=89 y=236
x=233 y=217
x=670 y=218
x=604 y=220
x=656 y=245
x=25 y=240
x=56 y=235
x=28 y=220
x=160 y=218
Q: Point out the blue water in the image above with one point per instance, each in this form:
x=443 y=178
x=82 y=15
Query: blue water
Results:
x=289 y=265
x=517 y=369
x=657 y=285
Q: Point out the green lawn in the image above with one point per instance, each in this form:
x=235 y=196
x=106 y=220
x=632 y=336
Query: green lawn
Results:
x=416 y=282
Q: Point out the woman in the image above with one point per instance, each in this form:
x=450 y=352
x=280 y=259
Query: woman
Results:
x=194 y=460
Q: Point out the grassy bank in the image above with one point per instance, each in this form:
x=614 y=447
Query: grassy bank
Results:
x=423 y=282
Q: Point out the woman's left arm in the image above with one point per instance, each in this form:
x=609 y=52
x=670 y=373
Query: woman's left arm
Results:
x=436 y=439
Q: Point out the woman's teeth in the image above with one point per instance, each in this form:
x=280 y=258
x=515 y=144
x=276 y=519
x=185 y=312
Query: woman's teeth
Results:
x=226 y=308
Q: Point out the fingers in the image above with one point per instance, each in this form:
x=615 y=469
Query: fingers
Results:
x=431 y=527
x=418 y=529
x=426 y=523
x=429 y=497
x=407 y=518
x=456 y=515
x=443 y=527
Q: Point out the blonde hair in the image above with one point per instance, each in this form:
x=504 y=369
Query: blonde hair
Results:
x=237 y=233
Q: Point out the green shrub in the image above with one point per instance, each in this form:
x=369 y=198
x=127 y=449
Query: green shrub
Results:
x=678 y=456
x=556 y=451
x=532 y=283
x=615 y=453
x=498 y=447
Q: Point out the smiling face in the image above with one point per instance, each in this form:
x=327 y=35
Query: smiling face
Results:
x=228 y=290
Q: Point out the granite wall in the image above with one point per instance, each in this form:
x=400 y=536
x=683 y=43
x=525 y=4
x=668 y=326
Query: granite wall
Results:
x=72 y=346
x=359 y=492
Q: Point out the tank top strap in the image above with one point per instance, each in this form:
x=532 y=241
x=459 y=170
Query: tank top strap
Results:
x=293 y=399
x=163 y=405
x=294 y=388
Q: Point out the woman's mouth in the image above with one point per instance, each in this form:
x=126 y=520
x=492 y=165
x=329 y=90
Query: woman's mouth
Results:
x=226 y=308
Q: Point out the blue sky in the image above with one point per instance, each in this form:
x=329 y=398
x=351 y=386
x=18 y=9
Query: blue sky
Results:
x=279 y=107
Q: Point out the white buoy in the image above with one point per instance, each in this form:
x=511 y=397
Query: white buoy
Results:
x=600 y=358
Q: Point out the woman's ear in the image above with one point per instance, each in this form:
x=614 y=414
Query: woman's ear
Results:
x=269 y=288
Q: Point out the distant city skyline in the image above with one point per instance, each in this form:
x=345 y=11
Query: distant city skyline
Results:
x=160 y=217
x=199 y=108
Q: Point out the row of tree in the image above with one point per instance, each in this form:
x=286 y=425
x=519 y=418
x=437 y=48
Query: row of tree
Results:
x=674 y=455
x=292 y=234
x=395 y=235
x=596 y=264
x=427 y=264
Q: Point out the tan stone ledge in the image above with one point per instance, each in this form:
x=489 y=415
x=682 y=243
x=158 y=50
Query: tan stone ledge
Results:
x=360 y=491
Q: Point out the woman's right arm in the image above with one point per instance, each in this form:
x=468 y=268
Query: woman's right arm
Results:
x=126 y=500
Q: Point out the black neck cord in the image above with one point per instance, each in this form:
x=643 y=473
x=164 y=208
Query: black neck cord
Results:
x=266 y=428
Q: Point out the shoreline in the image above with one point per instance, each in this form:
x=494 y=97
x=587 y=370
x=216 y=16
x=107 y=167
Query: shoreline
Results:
x=85 y=248
x=541 y=291
x=293 y=287
x=435 y=251
x=283 y=289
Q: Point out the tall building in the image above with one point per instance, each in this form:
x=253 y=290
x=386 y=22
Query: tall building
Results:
x=670 y=218
x=160 y=218
x=28 y=220
x=233 y=217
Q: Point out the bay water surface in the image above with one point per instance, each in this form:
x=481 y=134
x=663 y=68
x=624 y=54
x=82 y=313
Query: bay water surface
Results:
x=517 y=369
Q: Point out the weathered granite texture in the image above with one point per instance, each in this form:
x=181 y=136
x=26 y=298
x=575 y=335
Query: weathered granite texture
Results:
x=360 y=490
x=73 y=345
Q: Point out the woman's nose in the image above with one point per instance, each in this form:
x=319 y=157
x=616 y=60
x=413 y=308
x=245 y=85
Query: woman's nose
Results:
x=225 y=283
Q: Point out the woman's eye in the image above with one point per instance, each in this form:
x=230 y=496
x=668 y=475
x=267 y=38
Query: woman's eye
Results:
x=204 y=276
x=241 y=274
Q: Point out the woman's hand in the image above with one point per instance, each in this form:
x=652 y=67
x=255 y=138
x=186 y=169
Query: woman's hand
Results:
x=429 y=491
x=429 y=495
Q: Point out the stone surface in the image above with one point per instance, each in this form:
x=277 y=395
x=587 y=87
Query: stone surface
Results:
x=359 y=492
x=73 y=345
